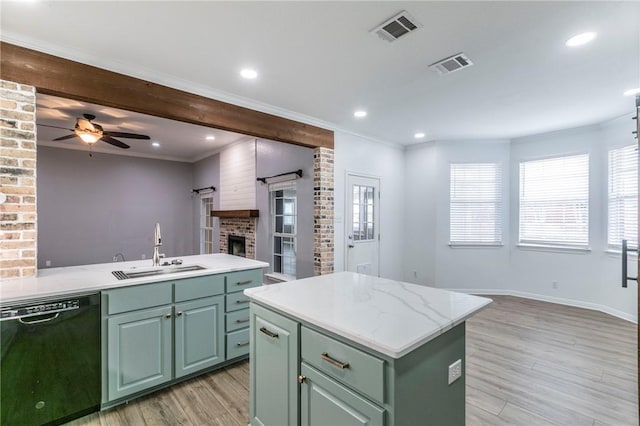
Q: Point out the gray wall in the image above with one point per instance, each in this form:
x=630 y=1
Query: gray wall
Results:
x=274 y=158
x=206 y=172
x=90 y=208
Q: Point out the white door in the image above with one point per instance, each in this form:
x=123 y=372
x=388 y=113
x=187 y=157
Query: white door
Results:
x=362 y=225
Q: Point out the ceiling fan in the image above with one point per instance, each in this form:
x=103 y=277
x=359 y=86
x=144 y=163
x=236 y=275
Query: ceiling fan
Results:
x=90 y=133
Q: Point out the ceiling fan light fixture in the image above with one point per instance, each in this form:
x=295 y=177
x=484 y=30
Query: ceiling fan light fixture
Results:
x=88 y=137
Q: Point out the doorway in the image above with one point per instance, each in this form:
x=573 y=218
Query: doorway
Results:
x=363 y=225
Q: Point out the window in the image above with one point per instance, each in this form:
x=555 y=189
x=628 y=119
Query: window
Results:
x=622 y=189
x=475 y=210
x=206 y=225
x=363 y=207
x=554 y=201
x=283 y=216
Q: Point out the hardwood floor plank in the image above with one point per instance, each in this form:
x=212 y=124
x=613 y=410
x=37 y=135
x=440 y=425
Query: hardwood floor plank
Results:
x=527 y=363
x=514 y=415
x=484 y=400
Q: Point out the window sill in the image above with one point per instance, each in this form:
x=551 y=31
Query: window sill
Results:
x=276 y=276
x=555 y=249
x=475 y=245
x=618 y=252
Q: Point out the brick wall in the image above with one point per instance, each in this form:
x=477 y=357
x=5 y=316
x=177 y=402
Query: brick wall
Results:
x=18 y=228
x=323 y=240
x=240 y=227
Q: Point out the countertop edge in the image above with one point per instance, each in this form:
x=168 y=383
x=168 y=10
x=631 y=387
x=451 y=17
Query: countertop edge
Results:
x=34 y=294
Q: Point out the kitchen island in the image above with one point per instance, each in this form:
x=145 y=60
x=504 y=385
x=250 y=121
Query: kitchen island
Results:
x=352 y=349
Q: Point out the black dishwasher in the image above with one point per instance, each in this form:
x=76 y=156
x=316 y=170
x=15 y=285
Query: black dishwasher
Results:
x=49 y=360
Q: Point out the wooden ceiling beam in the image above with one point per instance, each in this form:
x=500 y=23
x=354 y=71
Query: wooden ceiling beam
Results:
x=57 y=76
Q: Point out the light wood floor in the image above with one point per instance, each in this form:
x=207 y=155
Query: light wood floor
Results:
x=528 y=363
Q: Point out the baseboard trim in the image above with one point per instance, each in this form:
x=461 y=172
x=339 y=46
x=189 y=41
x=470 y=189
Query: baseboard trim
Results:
x=568 y=302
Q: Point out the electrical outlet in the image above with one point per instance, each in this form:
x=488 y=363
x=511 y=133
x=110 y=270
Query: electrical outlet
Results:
x=554 y=285
x=455 y=371
x=47 y=263
x=114 y=259
x=415 y=274
x=143 y=257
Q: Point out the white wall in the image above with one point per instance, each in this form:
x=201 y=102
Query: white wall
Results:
x=585 y=279
x=238 y=176
x=357 y=155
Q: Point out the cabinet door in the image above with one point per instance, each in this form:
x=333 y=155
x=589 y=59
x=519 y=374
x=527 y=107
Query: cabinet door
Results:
x=325 y=402
x=139 y=352
x=274 y=368
x=199 y=334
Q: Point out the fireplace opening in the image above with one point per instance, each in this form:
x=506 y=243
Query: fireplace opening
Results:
x=236 y=245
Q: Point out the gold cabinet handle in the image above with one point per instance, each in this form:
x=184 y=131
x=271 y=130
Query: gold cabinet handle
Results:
x=325 y=356
x=301 y=379
x=179 y=313
x=240 y=321
x=269 y=333
x=244 y=282
x=242 y=343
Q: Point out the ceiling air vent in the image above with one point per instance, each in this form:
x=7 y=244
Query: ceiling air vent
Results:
x=396 y=27
x=452 y=64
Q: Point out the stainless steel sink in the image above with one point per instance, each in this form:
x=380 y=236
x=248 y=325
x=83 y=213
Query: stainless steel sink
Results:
x=125 y=275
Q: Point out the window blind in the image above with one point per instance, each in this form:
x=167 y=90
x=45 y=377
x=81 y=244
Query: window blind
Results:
x=475 y=210
x=554 y=201
x=622 y=188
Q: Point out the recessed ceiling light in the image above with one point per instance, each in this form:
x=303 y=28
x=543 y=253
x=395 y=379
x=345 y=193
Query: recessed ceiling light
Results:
x=249 y=74
x=419 y=135
x=632 y=92
x=581 y=39
x=155 y=144
x=211 y=138
x=360 y=114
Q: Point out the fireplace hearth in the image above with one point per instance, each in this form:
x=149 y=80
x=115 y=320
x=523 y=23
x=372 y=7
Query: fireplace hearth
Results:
x=236 y=245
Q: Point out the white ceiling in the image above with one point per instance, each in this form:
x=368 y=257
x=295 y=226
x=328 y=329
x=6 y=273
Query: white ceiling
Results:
x=318 y=62
x=177 y=140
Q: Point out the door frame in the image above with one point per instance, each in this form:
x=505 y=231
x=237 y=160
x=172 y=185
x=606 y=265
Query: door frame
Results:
x=347 y=174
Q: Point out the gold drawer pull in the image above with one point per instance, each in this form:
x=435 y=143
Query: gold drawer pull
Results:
x=240 y=321
x=244 y=282
x=242 y=343
x=268 y=332
x=325 y=356
x=240 y=302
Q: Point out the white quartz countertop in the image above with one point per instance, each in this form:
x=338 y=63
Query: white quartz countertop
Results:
x=87 y=278
x=390 y=317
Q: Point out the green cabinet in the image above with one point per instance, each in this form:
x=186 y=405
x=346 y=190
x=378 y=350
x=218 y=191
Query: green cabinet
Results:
x=199 y=336
x=325 y=402
x=158 y=333
x=304 y=375
x=139 y=354
x=274 y=368
x=237 y=311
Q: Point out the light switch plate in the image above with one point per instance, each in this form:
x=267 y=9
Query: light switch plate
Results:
x=455 y=371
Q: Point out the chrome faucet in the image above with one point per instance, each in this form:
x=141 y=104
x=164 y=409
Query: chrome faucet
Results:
x=157 y=242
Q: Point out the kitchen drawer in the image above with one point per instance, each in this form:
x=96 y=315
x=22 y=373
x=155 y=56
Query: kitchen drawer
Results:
x=236 y=301
x=138 y=297
x=237 y=281
x=237 y=343
x=198 y=287
x=345 y=363
x=237 y=320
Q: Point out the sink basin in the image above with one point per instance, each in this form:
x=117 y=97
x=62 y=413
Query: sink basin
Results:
x=124 y=275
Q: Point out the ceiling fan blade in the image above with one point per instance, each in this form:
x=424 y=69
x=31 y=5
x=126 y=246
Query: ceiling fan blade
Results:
x=127 y=135
x=61 y=138
x=55 y=127
x=115 y=142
